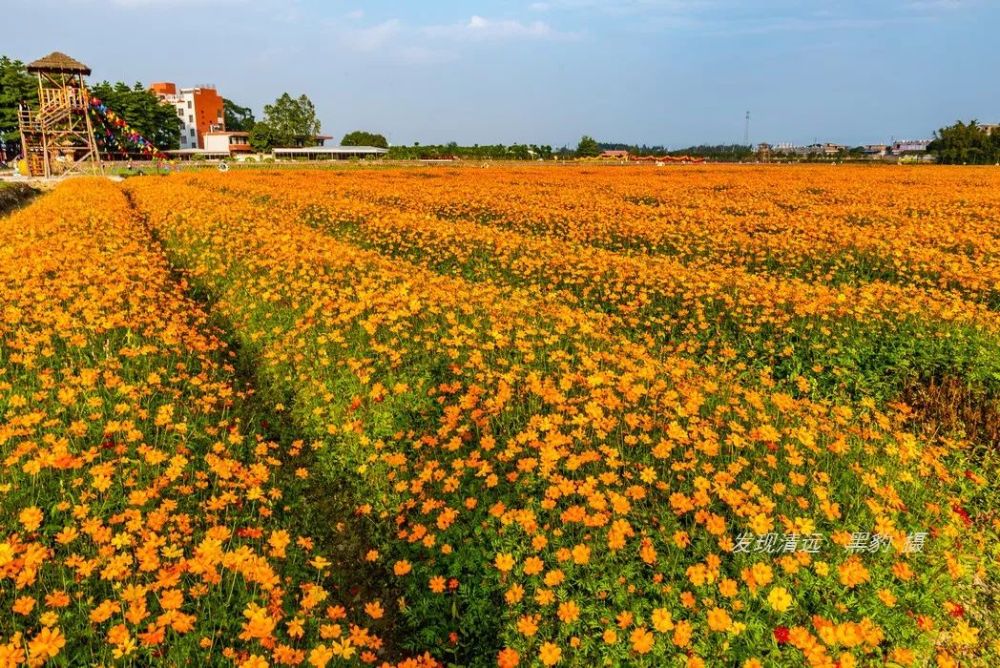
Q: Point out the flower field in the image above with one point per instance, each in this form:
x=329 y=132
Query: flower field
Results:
x=711 y=416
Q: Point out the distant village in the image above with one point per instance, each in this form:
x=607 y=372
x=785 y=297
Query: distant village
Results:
x=200 y=110
x=905 y=149
x=203 y=134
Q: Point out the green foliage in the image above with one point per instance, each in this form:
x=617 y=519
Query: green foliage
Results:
x=143 y=110
x=588 y=147
x=237 y=118
x=291 y=121
x=263 y=137
x=714 y=152
x=363 y=138
x=717 y=152
x=634 y=149
x=965 y=143
x=16 y=85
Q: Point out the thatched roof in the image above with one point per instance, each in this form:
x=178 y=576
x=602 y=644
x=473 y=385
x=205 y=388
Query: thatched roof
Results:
x=59 y=62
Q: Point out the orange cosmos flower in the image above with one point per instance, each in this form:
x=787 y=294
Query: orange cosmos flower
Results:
x=31 y=518
x=549 y=654
x=504 y=562
x=642 y=640
x=508 y=658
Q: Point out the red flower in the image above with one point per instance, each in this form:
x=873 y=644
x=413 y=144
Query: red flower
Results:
x=781 y=634
x=963 y=513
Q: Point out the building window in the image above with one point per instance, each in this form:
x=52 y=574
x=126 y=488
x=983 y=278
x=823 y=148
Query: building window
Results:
x=189 y=104
x=192 y=132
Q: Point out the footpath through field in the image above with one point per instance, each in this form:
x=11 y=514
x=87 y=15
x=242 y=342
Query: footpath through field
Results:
x=151 y=508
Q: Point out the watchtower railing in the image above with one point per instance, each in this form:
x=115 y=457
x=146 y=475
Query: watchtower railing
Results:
x=28 y=120
x=71 y=98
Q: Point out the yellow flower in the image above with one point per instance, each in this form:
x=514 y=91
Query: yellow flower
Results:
x=719 y=620
x=504 y=562
x=31 y=518
x=6 y=554
x=963 y=634
x=549 y=654
x=319 y=656
x=47 y=643
x=887 y=597
x=779 y=599
x=662 y=620
x=254 y=661
x=568 y=612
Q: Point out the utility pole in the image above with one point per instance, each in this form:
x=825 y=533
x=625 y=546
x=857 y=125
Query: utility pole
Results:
x=746 y=131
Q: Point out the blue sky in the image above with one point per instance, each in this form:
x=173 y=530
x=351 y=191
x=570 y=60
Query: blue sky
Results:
x=671 y=72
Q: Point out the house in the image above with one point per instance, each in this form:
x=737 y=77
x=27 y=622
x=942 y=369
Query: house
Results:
x=825 y=149
x=875 y=150
x=990 y=128
x=200 y=110
x=329 y=152
x=614 y=155
x=910 y=146
x=223 y=141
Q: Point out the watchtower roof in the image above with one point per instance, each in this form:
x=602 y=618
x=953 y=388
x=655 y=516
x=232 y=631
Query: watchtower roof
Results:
x=60 y=63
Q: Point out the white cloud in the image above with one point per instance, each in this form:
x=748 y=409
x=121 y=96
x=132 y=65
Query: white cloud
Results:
x=373 y=37
x=397 y=41
x=478 y=28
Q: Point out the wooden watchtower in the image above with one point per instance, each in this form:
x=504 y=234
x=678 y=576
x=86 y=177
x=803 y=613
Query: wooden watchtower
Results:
x=58 y=137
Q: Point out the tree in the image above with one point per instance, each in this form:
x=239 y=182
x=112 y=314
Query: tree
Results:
x=235 y=117
x=142 y=110
x=292 y=121
x=964 y=143
x=16 y=86
x=363 y=138
x=588 y=147
x=263 y=137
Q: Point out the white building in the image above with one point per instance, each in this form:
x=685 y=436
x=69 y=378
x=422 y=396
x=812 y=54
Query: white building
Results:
x=910 y=146
x=200 y=110
x=230 y=143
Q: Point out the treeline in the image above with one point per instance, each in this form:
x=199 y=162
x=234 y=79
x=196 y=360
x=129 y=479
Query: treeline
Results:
x=16 y=86
x=143 y=110
x=715 y=152
x=475 y=152
x=966 y=144
x=587 y=148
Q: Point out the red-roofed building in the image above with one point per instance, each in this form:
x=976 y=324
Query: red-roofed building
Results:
x=199 y=110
